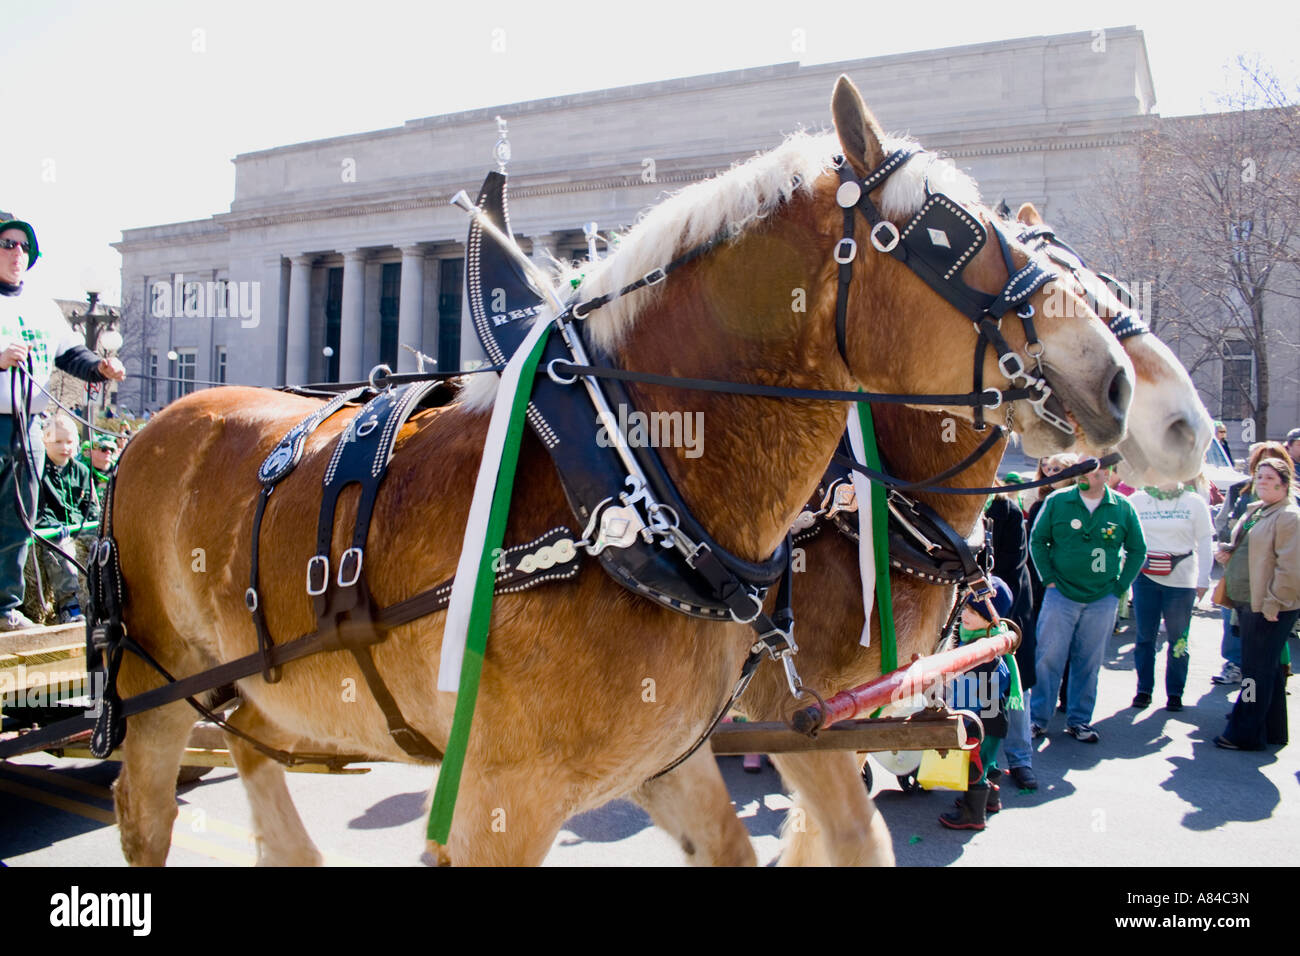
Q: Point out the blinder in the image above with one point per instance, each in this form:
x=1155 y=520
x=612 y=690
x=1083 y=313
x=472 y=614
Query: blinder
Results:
x=937 y=243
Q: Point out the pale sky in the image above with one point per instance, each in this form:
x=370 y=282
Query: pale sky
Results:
x=128 y=114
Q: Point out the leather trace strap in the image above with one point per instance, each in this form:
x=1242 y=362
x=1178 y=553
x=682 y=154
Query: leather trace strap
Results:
x=342 y=600
x=282 y=460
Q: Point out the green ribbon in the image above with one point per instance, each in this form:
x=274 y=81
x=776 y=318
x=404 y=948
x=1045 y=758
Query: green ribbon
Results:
x=879 y=544
x=453 y=761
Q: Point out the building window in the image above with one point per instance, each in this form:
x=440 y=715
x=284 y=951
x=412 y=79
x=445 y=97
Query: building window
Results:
x=390 y=295
x=219 y=364
x=451 y=281
x=333 y=320
x=160 y=298
x=1238 y=381
x=187 y=361
x=153 y=375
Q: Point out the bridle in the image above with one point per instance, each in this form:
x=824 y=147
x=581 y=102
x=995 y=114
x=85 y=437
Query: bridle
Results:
x=936 y=244
x=1127 y=322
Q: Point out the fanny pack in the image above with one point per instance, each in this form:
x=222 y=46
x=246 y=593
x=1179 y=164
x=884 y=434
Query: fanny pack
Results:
x=1160 y=563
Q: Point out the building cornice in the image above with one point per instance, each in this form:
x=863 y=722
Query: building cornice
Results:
x=229 y=223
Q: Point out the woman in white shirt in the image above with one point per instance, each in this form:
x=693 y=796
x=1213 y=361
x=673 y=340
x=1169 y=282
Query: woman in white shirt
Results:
x=1177 y=527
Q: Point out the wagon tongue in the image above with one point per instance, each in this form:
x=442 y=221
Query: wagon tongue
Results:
x=501 y=299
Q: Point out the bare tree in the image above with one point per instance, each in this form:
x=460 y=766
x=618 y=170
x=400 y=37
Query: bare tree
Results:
x=1205 y=212
x=139 y=327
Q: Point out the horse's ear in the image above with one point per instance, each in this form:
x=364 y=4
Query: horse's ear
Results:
x=860 y=134
x=1028 y=214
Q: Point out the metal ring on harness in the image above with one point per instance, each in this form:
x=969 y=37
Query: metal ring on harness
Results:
x=250 y=600
x=375 y=372
x=978 y=723
x=812 y=730
x=996 y=394
x=1026 y=311
x=324 y=574
x=758 y=609
x=356 y=572
x=893 y=240
x=556 y=377
x=843 y=257
x=1012 y=366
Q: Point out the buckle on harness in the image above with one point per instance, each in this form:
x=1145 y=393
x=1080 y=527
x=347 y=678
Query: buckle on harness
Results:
x=758 y=609
x=654 y=276
x=250 y=600
x=1011 y=365
x=354 y=554
x=846 y=251
x=321 y=564
x=887 y=246
x=997 y=395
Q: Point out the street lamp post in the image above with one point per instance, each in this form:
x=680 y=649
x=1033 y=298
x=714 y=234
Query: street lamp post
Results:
x=98 y=329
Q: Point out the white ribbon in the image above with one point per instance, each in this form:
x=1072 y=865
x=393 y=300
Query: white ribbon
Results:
x=456 y=629
x=866 y=553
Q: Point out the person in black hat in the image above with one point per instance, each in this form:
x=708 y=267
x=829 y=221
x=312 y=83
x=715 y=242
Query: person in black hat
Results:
x=33 y=336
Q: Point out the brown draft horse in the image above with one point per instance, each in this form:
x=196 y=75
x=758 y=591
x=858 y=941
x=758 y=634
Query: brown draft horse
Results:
x=563 y=721
x=838 y=823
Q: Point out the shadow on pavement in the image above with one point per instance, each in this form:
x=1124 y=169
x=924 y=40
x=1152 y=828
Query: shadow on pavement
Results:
x=394 y=811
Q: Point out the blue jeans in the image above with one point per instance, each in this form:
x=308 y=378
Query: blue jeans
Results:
x=1230 y=646
x=1016 y=746
x=1068 y=630
x=13 y=536
x=1152 y=602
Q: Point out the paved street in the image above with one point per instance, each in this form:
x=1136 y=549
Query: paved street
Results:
x=1154 y=791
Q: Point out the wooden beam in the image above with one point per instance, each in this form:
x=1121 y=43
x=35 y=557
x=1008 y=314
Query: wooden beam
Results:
x=885 y=733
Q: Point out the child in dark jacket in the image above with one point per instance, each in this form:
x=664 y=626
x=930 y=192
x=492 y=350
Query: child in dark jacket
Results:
x=988 y=691
x=68 y=502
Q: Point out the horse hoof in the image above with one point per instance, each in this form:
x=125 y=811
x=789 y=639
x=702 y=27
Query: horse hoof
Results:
x=438 y=853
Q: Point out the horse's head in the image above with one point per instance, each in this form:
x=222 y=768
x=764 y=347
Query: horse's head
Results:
x=934 y=251
x=1168 y=427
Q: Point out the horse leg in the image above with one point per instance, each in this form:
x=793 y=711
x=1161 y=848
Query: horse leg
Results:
x=282 y=839
x=144 y=794
x=692 y=805
x=834 y=821
x=506 y=815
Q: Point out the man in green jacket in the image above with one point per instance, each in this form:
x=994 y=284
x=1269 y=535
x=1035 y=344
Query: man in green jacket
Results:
x=1088 y=548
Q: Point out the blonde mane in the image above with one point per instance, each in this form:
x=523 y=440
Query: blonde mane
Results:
x=733 y=200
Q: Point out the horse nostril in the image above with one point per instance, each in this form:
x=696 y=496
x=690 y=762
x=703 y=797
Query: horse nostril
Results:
x=1120 y=393
x=1182 y=434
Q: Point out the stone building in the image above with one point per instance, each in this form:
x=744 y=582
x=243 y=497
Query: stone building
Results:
x=336 y=252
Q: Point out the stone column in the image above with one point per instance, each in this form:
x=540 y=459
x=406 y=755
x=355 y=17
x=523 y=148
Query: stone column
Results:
x=351 y=357
x=410 y=309
x=297 y=325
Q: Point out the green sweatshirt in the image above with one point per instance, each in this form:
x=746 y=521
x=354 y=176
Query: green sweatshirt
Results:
x=1079 y=551
x=67 y=495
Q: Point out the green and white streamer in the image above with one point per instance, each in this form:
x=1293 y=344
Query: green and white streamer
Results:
x=873 y=537
x=469 y=611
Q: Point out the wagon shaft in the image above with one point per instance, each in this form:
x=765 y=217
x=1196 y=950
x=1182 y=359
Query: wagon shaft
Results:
x=922 y=732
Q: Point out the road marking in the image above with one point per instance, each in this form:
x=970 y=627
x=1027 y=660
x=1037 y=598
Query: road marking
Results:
x=183 y=840
x=182 y=828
